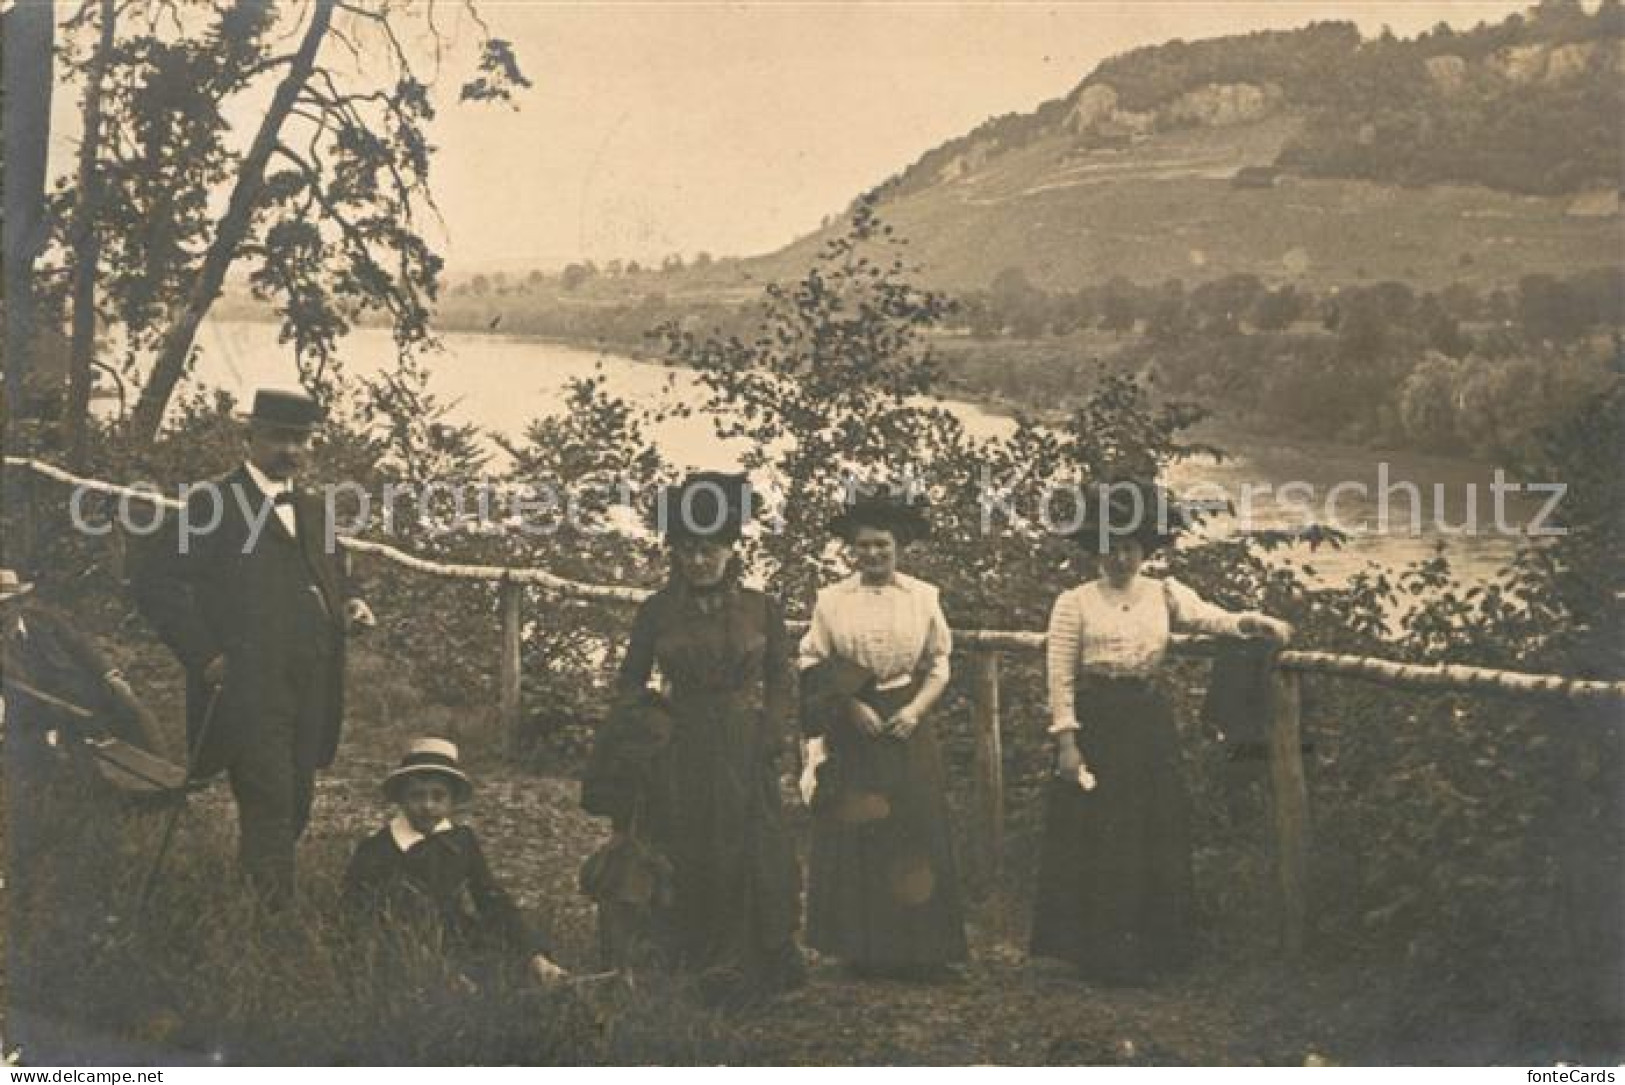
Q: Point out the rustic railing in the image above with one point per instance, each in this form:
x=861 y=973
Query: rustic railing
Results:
x=1288 y=787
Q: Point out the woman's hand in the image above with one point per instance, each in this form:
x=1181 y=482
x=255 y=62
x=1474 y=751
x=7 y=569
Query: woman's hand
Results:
x=545 y=972
x=358 y=617
x=903 y=722
x=214 y=673
x=1068 y=758
x=1069 y=764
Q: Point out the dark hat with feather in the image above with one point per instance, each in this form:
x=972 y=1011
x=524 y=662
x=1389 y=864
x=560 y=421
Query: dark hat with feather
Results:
x=1128 y=509
x=709 y=505
x=899 y=509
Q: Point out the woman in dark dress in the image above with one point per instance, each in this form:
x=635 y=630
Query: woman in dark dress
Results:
x=1115 y=892
x=884 y=892
x=723 y=657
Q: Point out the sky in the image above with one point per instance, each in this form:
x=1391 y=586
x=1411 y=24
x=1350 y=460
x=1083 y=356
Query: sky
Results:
x=734 y=128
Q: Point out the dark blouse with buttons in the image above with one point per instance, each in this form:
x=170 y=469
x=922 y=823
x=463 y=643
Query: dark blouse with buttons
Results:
x=714 y=810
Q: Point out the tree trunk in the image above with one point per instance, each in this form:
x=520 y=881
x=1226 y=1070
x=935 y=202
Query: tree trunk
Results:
x=233 y=228
x=87 y=245
x=29 y=33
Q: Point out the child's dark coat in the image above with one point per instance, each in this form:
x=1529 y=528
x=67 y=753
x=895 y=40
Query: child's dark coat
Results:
x=443 y=883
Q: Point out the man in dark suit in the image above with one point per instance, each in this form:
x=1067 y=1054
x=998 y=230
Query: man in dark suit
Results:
x=248 y=590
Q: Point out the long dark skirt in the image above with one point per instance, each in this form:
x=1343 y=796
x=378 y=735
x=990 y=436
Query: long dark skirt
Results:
x=1115 y=893
x=883 y=887
x=736 y=892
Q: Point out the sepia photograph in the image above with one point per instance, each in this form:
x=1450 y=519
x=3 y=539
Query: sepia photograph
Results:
x=846 y=533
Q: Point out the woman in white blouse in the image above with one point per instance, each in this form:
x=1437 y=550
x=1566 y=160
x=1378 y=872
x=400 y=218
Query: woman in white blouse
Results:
x=1115 y=892
x=883 y=889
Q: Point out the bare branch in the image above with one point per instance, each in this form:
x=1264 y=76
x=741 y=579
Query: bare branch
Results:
x=118 y=384
x=381 y=20
x=298 y=21
x=80 y=17
x=346 y=41
x=265 y=65
x=436 y=37
x=479 y=20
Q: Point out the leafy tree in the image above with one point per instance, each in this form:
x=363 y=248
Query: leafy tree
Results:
x=1275 y=310
x=1440 y=330
x=28 y=33
x=574 y=276
x=822 y=390
x=1550 y=309
x=1223 y=302
x=1119 y=305
x=322 y=205
x=1170 y=319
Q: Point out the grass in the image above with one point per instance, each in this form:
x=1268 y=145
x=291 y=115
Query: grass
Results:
x=204 y=976
x=201 y=977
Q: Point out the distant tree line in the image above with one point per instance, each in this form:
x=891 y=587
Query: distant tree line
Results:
x=1460 y=370
x=1537 y=309
x=577 y=274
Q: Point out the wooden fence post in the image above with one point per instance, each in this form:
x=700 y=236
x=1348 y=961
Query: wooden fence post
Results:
x=989 y=835
x=1289 y=795
x=509 y=715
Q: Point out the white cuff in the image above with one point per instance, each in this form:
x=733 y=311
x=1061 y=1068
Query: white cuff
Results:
x=1062 y=726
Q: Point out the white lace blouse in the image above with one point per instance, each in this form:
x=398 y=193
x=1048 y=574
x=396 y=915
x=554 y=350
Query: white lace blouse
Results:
x=896 y=630
x=1097 y=629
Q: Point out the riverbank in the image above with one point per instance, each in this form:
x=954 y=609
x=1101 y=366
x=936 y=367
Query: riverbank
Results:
x=1058 y=371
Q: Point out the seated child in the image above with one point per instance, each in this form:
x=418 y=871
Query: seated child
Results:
x=422 y=869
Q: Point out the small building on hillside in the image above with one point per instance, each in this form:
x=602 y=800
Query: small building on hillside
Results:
x=1597 y=204
x=1255 y=177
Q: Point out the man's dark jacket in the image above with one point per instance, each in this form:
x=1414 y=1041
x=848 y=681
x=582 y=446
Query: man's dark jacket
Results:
x=253 y=606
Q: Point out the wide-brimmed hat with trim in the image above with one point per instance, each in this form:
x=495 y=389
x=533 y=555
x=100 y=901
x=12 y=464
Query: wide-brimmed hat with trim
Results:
x=1128 y=509
x=709 y=505
x=13 y=586
x=285 y=410
x=899 y=509
x=429 y=757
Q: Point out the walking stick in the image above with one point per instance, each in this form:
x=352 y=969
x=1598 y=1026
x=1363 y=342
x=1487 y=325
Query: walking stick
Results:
x=150 y=882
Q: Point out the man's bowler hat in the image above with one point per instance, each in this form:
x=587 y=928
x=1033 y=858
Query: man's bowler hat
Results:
x=288 y=410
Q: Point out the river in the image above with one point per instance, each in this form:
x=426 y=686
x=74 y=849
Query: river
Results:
x=501 y=383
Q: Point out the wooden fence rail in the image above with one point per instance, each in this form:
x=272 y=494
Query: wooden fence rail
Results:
x=1288 y=787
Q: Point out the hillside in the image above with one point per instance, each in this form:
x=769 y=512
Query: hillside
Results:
x=1308 y=155
x=1168 y=206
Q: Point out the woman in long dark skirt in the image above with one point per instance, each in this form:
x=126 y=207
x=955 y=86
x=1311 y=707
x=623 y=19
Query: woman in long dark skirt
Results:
x=724 y=656
x=1115 y=892
x=883 y=892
